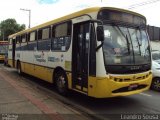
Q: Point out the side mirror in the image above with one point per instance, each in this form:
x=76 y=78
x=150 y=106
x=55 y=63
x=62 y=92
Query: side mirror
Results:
x=100 y=33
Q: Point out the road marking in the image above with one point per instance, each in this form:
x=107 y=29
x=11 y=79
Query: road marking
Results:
x=144 y=94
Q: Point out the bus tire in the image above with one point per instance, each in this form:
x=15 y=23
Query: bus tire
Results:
x=61 y=82
x=19 y=70
x=155 y=84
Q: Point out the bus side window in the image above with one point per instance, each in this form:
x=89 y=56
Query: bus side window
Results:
x=46 y=33
x=23 y=38
x=24 y=42
x=39 y=34
x=32 y=36
x=32 y=45
x=18 y=41
x=44 y=41
x=61 y=36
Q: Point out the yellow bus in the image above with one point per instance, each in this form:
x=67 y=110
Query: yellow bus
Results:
x=100 y=52
x=3 y=49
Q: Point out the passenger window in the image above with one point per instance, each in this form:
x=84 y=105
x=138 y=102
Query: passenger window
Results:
x=61 y=30
x=18 y=40
x=39 y=34
x=45 y=33
x=23 y=38
x=61 y=36
x=32 y=36
x=44 y=41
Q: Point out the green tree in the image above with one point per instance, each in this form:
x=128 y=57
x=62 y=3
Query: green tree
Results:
x=8 y=27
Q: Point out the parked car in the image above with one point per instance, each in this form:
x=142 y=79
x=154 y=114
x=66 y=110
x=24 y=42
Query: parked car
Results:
x=156 y=56
x=156 y=76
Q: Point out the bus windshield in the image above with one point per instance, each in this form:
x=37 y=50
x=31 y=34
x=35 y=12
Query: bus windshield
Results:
x=125 y=46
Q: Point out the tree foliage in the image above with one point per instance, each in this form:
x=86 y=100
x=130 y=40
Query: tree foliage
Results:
x=8 y=27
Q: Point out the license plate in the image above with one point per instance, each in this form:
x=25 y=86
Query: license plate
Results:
x=132 y=86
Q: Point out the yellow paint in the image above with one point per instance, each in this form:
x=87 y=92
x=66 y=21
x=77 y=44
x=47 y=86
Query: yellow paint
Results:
x=85 y=89
x=92 y=83
x=10 y=62
x=22 y=66
x=68 y=65
x=78 y=87
x=71 y=16
x=103 y=87
x=69 y=76
x=29 y=69
x=98 y=87
x=41 y=72
x=1 y=57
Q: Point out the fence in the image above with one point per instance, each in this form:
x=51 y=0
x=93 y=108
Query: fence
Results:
x=154 y=33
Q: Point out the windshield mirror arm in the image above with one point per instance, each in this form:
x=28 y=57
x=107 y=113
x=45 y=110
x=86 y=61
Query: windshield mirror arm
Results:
x=99 y=46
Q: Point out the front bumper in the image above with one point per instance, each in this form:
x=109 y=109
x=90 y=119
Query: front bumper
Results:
x=120 y=85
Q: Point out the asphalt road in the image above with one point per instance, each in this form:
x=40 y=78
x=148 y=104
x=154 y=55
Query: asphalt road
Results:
x=145 y=105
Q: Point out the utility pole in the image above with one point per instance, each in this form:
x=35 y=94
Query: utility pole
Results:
x=28 y=10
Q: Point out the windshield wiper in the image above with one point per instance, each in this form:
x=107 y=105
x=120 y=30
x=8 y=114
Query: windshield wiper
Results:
x=126 y=37
x=99 y=46
x=139 y=45
x=128 y=45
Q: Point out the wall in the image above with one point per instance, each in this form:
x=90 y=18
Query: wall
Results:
x=153 y=32
x=155 y=45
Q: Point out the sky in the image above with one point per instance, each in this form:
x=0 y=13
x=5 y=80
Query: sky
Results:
x=46 y=10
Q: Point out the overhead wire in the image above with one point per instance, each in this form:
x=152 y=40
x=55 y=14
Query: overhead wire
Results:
x=142 y=4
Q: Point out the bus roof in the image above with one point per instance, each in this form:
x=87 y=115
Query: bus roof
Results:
x=73 y=15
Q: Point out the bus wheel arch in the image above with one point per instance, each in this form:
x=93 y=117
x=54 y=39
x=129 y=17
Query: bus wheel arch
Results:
x=60 y=80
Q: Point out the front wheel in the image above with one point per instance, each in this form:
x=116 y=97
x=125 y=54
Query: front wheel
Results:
x=155 y=84
x=61 y=82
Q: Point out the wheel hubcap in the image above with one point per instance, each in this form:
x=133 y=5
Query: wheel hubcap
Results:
x=157 y=84
x=61 y=82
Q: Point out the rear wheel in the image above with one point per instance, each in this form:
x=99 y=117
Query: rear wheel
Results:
x=156 y=84
x=61 y=82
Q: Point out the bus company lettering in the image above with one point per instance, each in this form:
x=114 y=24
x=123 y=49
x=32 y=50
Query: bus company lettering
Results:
x=39 y=58
x=53 y=59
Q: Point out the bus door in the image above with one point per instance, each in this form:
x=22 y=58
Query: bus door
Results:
x=80 y=56
x=13 y=51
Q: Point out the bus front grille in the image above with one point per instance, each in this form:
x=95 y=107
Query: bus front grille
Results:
x=130 y=78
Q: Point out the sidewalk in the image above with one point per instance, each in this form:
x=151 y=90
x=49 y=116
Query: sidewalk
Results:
x=19 y=103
